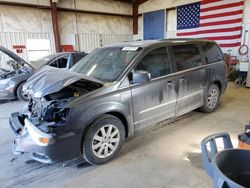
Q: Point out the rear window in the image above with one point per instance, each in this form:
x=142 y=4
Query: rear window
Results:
x=186 y=56
x=212 y=52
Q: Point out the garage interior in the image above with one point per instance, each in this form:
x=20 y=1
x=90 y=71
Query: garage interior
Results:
x=168 y=155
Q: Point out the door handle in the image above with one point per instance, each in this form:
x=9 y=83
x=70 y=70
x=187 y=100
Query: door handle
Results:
x=170 y=83
x=182 y=80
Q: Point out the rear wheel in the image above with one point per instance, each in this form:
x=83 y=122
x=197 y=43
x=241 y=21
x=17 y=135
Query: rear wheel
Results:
x=103 y=140
x=20 y=94
x=211 y=100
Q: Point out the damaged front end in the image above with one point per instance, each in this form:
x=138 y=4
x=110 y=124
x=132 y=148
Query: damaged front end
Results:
x=40 y=126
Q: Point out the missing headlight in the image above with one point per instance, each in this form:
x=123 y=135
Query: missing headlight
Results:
x=56 y=114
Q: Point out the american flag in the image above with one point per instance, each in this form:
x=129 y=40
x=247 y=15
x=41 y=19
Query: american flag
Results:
x=219 y=20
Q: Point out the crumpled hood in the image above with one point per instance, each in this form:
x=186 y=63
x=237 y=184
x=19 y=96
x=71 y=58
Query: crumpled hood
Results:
x=50 y=80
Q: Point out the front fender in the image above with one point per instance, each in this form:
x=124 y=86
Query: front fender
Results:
x=81 y=119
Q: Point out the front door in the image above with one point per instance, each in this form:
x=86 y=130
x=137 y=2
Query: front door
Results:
x=188 y=68
x=154 y=101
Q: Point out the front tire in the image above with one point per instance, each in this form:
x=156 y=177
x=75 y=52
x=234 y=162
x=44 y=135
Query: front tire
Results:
x=20 y=93
x=211 y=100
x=103 y=140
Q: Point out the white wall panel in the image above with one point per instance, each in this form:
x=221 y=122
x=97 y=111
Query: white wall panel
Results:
x=66 y=22
x=88 y=23
x=19 y=19
x=171 y=23
x=140 y=25
x=1 y=21
x=14 y=22
x=110 y=24
x=46 y=21
x=246 y=16
x=108 y=6
x=115 y=25
x=126 y=25
x=94 y=24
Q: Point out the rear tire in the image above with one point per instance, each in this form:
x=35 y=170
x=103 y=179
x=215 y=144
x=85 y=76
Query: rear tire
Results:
x=211 y=100
x=20 y=94
x=103 y=140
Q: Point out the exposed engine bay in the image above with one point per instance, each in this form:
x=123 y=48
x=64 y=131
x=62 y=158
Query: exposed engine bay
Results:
x=15 y=69
x=50 y=112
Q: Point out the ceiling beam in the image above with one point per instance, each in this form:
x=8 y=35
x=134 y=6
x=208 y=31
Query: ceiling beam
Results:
x=138 y=2
x=93 y=12
x=27 y=5
x=24 y=5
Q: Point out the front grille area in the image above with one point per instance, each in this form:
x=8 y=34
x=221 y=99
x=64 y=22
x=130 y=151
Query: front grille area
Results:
x=35 y=107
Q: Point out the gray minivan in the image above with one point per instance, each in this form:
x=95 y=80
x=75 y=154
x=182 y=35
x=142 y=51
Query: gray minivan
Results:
x=113 y=92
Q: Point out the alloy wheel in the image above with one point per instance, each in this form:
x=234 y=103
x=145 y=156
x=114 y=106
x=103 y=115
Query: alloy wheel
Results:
x=105 y=141
x=212 y=98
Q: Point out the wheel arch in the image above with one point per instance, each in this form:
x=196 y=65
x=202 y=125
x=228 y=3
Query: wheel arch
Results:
x=116 y=113
x=17 y=85
x=123 y=119
x=218 y=83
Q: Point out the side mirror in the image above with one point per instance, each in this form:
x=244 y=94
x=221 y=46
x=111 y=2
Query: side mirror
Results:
x=140 y=77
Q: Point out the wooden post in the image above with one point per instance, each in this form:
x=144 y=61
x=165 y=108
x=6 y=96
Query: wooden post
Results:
x=55 y=26
x=135 y=18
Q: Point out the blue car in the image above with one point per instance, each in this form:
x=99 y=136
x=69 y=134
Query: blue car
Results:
x=13 y=78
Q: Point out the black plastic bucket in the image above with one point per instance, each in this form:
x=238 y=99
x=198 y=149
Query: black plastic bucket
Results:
x=229 y=167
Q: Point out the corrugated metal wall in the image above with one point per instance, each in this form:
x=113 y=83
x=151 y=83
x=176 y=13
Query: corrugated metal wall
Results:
x=82 y=42
x=88 y=42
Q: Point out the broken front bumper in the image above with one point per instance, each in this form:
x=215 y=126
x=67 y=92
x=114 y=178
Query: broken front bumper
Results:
x=42 y=147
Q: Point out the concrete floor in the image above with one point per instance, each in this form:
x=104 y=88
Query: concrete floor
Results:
x=167 y=156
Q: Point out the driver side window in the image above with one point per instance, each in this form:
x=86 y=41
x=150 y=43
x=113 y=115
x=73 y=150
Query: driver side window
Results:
x=156 y=63
x=60 y=62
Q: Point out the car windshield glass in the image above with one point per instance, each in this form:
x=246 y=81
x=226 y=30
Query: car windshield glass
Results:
x=106 y=64
x=43 y=61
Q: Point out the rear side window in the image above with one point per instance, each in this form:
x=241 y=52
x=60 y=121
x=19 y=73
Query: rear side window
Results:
x=156 y=63
x=212 y=52
x=186 y=56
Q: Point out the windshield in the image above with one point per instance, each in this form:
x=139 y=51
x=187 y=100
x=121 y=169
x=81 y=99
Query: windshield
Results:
x=106 y=64
x=44 y=61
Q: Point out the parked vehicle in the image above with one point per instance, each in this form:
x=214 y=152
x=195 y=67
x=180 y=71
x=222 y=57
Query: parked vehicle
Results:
x=13 y=79
x=113 y=92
